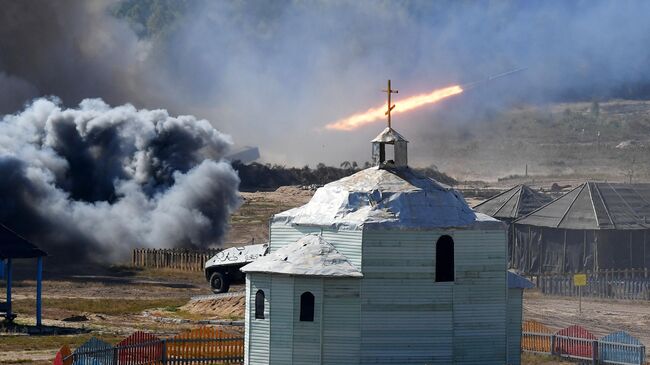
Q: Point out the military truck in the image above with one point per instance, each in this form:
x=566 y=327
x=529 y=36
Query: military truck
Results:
x=222 y=269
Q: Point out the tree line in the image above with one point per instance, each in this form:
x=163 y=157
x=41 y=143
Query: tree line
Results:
x=257 y=176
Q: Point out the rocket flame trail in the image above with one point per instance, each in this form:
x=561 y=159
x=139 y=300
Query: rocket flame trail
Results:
x=374 y=114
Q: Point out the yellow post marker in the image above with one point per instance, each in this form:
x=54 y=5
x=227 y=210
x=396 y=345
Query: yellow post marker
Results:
x=580 y=280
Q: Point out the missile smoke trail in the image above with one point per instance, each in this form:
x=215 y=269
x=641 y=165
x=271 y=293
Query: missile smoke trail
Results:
x=372 y=115
x=96 y=180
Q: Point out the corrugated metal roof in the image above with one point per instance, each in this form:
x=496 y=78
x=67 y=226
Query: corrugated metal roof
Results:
x=596 y=205
x=310 y=255
x=513 y=203
x=386 y=197
x=13 y=246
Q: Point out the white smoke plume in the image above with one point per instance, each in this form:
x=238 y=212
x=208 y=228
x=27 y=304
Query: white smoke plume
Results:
x=96 y=180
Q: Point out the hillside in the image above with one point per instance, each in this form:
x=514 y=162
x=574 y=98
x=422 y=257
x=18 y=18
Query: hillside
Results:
x=607 y=140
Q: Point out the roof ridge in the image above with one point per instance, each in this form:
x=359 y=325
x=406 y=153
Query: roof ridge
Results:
x=509 y=198
x=496 y=196
x=521 y=194
x=642 y=198
x=625 y=202
x=582 y=187
x=546 y=205
x=600 y=195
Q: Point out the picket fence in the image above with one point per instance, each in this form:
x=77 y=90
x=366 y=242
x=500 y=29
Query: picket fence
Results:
x=177 y=259
x=577 y=343
x=612 y=284
x=205 y=345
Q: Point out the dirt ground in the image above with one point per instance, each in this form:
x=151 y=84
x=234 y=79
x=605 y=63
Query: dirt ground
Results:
x=109 y=306
x=226 y=308
x=250 y=223
x=600 y=317
x=122 y=301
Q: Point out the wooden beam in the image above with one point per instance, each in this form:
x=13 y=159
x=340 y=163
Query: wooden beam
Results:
x=39 y=289
x=9 y=314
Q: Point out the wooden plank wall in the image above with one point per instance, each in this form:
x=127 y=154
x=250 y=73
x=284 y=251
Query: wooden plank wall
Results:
x=177 y=259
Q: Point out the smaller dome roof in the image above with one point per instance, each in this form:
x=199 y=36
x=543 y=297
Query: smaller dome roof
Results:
x=386 y=197
x=389 y=135
x=310 y=255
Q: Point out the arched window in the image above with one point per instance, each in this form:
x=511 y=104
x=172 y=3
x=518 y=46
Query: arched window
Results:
x=259 y=304
x=444 y=259
x=307 y=307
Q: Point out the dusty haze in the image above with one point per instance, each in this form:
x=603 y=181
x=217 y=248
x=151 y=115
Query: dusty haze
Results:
x=273 y=73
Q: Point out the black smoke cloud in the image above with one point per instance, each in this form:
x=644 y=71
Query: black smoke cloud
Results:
x=94 y=181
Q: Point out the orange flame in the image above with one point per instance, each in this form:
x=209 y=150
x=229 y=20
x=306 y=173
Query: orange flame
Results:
x=374 y=114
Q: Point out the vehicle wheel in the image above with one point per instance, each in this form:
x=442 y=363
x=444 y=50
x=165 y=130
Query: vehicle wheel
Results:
x=219 y=282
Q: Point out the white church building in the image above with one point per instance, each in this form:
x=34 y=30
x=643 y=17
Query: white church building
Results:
x=383 y=267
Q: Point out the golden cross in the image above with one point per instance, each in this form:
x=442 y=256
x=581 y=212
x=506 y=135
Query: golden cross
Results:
x=390 y=107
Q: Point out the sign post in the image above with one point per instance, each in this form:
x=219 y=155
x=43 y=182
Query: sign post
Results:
x=580 y=280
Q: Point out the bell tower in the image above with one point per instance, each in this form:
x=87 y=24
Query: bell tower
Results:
x=389 y=140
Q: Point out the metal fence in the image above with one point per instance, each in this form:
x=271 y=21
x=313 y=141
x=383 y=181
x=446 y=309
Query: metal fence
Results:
x=577 y=343
x=205 y=345
x=612 y=284
x=178 y=259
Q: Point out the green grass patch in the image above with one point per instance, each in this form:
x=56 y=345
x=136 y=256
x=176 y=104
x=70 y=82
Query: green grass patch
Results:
x=98 y=306
x=172 y=309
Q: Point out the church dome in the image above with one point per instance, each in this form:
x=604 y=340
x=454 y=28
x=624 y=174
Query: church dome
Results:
x=384 y=197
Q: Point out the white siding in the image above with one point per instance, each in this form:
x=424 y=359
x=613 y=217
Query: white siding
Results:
x=395 y=314
x=247 y=322
x=307 y=335
x=515 y=303
x=346 y=242
x=283 y=234
x=281 y=319
x=341 y=322
x=406 y=316
x=258 y=353
x=480 y=297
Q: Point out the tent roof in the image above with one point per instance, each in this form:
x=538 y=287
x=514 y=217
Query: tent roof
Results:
x=513 y=203
x=13 y=246
x=596 y=205
x=310 y=255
